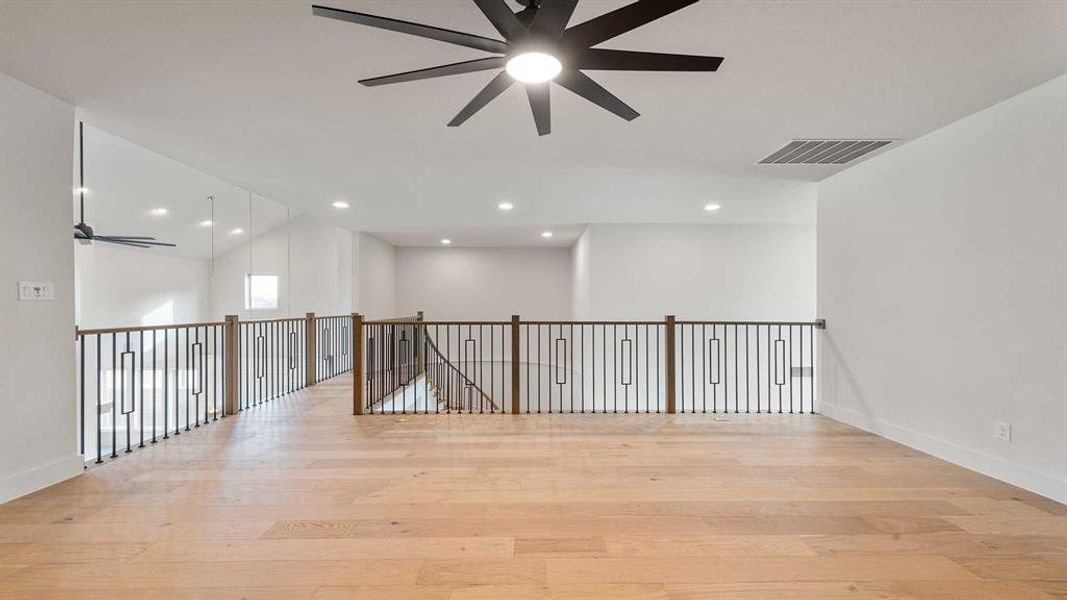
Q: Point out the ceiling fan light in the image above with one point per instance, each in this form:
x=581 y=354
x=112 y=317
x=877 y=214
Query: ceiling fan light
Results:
x=534 y=67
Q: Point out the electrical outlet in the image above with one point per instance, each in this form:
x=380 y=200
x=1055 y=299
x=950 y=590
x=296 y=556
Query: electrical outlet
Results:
x=37 y=290
x=1002 y=431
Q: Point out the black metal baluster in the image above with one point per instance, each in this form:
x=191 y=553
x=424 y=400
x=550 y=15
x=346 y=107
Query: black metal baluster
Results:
x=581 y=331
x=659 y=369
x=776 y=365
x=592 y=365
x=215 y=373
x=811 y=352
x=800 y=328
x=140 y=388
x=759 y=403
x=648 y=374
x=697 y=374
x=789 y=376
x=194 y=372
x=81 y=395
x=99 y=402
x=114 y=400
x=188 y=380
x=166 y=381
x=126 y=413
x=155 y=351
x=570 y=357
x=724 y=375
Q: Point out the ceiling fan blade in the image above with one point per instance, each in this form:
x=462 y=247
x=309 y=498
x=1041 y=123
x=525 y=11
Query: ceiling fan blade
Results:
x=626 y=60
x=470 y=66
x=496 y=87
x=553 y=16
x=121 y=243
x=540 y=103
x=137 y=241
x=426 y=31
x=502 y=18
x=618 y=22
x=581 y=84
x=126 y=237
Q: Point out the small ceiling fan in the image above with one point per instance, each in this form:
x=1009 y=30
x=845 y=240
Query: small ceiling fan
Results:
x=539 y=49
x=85 y=234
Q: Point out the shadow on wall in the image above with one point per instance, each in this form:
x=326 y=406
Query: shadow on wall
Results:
x=840 y=391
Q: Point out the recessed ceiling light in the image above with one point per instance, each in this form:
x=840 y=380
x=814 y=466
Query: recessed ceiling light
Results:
x=534 y=67
x=505 y=206
x=237 y=231
x=159 y=212
x=546 y=234
x=340 y=204
x=711 y=207
x=81 y=190
x=446 y=241
x=207 y=223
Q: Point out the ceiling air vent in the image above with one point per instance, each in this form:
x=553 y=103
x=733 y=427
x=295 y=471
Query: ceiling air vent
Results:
x=823 y=152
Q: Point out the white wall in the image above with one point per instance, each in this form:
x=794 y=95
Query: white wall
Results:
x=374 y=278
x=943 y=279
x=318 y=257
x=722 y=272
x=580 y=275
x=38 y=440
x=117 y=287
x=484 y=283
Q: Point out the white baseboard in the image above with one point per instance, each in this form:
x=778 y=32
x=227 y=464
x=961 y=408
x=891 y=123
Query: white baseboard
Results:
x=41 y=477
x=1018 y=475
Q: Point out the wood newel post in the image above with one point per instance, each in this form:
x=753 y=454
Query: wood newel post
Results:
x=312 y=349
x=357 y=364
x=670 y=373
x=232 y=364
x=515 y=371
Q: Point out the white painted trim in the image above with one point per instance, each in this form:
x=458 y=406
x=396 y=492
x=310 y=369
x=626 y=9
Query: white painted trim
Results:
x=41 y=477
x=1044 y=484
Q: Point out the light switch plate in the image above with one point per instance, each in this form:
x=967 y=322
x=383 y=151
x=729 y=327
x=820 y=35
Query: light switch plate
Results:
x=37 y=290
x=1002 y=431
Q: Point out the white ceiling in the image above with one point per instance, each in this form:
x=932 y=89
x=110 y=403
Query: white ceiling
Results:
x=127 y=183
x=263 y=95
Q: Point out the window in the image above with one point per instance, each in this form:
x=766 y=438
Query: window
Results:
x=261 y=292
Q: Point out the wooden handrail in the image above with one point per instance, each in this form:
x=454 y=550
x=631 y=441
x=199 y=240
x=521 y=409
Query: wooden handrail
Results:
x=278 y=320
x=395 y=321
x=84 y=332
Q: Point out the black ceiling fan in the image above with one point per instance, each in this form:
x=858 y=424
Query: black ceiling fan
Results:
x=85 y=234
x=539 y=49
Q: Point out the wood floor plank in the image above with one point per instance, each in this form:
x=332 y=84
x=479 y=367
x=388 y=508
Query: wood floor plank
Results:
x=705 y=570
x=288 y=574
x=513 y=571
x=576 y=592
x=858 y=590
x=327 y=549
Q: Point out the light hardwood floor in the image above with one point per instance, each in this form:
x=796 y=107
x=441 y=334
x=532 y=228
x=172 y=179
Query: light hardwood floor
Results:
x=298 y=500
